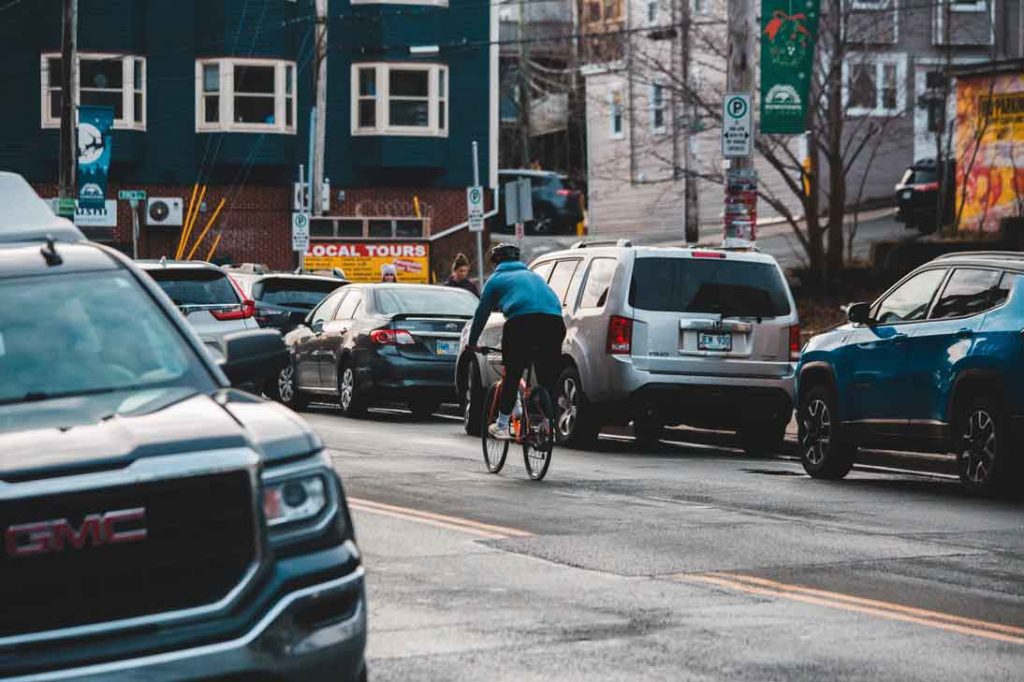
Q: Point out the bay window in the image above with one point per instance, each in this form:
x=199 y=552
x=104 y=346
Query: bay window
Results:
x=245 y=95
x=108 y=80
x=400 y=99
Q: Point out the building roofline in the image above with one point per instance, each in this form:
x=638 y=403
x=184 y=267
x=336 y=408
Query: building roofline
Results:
x=990 y=68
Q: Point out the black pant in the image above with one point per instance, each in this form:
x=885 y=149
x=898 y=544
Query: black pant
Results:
x=530 y=339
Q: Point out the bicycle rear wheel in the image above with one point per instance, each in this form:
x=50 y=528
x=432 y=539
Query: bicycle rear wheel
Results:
x=495 y=451
x=539 y=436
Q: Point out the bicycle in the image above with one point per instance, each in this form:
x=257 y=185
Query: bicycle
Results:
x=531 y=423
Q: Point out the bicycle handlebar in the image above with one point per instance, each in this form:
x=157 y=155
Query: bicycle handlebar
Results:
x=488 y=349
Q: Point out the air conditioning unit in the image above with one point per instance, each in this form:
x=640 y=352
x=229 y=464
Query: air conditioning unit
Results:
x=164 y=212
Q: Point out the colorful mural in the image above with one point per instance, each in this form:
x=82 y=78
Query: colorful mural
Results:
x=989 y=150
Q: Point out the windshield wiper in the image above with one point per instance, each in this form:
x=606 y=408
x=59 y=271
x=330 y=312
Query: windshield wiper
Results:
x=37 y=396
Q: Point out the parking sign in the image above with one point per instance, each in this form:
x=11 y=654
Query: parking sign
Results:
x=300 y=231
x=475 y=208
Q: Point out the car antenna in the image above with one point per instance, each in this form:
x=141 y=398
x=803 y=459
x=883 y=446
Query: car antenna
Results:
x=49 y=252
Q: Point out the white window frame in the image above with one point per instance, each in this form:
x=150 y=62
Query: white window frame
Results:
x=655 y=128
x=977 y=6
x=226 y=106
x=621 y=132
x=437 y=74
x=429 y=3
x=129 y=62
x=870 y=5
x=879 y=60
x=648 y=5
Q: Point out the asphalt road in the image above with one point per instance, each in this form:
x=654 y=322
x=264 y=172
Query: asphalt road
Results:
x=692 y=562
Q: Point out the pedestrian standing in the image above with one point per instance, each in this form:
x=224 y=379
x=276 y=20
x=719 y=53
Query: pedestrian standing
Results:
x=388 y=273
x=460 y=275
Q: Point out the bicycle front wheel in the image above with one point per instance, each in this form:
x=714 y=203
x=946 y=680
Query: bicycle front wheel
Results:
x=538 y=433
x=495 y=451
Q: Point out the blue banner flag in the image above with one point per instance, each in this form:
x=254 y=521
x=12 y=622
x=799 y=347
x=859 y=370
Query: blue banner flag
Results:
x=94 y=139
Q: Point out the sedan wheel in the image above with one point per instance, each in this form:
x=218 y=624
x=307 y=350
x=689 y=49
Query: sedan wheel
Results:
x=349 y=398
x=286 y=390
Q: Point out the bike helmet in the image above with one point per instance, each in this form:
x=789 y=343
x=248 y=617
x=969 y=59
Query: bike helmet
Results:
x=504 y=252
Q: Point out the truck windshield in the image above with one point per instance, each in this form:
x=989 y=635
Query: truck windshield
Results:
x=60 y=336
x=731 y=288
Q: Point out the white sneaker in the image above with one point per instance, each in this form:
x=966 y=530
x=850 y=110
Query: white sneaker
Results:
x=499 y=432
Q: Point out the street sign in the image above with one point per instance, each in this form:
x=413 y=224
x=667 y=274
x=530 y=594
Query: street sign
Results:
x=66 y=208
x=737 y=125
x=475 y=208
x=518 y=201
x=132 y=195
x=300 y=232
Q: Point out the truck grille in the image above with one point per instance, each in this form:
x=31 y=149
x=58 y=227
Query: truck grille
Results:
x=200 y=539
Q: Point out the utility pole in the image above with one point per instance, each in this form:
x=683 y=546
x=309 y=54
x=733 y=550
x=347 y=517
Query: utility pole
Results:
x=524 y=88
x=741 y=177
x=68 y=124
x=690 y=205
x=316 y=175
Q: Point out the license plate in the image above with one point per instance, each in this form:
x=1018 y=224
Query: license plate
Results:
x=447 y=347
x=714 y=341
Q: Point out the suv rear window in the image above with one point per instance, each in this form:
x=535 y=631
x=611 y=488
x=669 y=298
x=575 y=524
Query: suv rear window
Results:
x=295 y=293
x=730 y=288
x=195 y=286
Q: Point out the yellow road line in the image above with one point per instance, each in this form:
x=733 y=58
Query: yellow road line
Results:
x=487 y=530
x=880 y=609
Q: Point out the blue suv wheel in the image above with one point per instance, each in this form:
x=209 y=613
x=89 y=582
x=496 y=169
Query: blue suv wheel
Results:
x=824 y=449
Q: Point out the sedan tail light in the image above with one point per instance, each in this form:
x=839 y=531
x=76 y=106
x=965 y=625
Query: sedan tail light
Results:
x=926 y=187
x=392 y=337
x=794 y=342
x=620 y=335
x=564 y=192
x=240 y=312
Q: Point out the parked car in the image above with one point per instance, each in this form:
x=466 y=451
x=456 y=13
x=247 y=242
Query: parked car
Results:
x=933 y=365
x=158 y=523
x=660 y=336
x=284 y=299
x=917 y=195
x=211 y=302
x=557 y=202
x=368 y=343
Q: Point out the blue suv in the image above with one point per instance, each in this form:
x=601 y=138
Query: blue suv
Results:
x=935 y=364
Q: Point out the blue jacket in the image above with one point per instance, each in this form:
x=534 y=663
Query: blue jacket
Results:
x=515 y=290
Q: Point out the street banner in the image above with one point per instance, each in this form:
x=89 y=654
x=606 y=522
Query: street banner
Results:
x=94 y=139
x=789 y=29
x=365 y=261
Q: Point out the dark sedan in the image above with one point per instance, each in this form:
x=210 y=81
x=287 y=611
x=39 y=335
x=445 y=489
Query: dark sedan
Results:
x=378 y=343
x=917 y=196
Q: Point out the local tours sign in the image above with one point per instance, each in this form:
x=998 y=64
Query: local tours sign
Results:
x=789 y=29
x=366 y=261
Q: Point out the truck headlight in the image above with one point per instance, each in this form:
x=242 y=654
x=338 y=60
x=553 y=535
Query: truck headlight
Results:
x=294 y=499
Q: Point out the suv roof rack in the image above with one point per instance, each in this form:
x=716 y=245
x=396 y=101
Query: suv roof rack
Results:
x=1008 y=255
x=602 y=242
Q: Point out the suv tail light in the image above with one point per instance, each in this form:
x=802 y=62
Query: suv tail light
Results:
x=794 y=342
x=620 y=335
x=563 y=192
x=241 y=312
x=708 y=254
x=391 y=337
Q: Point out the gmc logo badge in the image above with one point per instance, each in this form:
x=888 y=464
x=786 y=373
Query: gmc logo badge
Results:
x=107 y=528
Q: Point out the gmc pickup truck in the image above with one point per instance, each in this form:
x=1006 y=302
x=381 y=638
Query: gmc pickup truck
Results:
x=157 y=524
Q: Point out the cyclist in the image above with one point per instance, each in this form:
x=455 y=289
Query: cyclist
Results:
x=533 y=331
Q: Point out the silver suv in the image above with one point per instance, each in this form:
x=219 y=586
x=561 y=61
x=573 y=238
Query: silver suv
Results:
x=659 y=336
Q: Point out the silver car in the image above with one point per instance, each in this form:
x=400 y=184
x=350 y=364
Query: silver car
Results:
x=662 y=336
x=204 y=293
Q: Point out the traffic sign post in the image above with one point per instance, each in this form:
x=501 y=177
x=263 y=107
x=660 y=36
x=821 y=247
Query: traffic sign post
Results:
x=737 y=126
x=132 y=195
x=300 y=236
x=475 y=208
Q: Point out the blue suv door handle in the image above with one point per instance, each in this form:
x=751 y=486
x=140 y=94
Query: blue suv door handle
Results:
x=964 y=333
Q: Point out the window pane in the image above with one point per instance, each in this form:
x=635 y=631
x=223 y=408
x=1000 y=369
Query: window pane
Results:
x=254 y=79
x=440 y=115
x=53 y=68
x=367 y=113
x=408 y=83
x=368 y=82
x=967 y=292
x=561 y=277
x=598 y=280
x=1002 y=290
x=442 y=82
x=212 y=108
x=254 y=110
x=288 y=73
x=410 y=113
x=380 y=228
x=910 y=301
x=140 y=68
x=101 y=73
x=103 y=98
x=730 y=288
x=140 y=109
x=889 y=86
x=55 y=104
x=863 y=94
x=288 y=118
x=211 y=77
x=409 y=228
